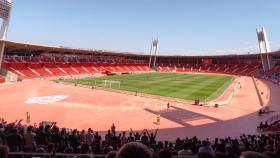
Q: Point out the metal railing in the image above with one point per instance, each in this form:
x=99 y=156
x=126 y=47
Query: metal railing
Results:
x=63 y=155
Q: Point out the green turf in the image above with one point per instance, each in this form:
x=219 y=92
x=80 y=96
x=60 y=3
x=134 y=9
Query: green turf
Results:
x=183 y=86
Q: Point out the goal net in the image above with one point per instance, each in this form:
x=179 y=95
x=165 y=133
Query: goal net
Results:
x=110 y=84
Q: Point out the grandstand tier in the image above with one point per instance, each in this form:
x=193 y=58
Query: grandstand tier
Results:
x=2 y=79
x=45 y=61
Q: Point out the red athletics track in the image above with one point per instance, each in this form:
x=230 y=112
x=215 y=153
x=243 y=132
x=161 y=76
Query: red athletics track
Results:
x=98 y=109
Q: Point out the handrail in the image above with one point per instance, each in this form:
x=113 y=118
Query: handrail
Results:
x=70 y=155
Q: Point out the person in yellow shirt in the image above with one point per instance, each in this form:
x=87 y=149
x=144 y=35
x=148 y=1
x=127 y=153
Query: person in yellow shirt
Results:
x=27 y=114
x=158 y=119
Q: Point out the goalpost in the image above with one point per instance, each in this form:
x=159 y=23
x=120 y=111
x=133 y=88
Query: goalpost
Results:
x=110 y=83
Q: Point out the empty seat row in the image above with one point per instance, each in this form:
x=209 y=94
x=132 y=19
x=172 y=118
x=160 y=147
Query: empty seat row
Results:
x=26 y=70
x=2 y=79
x=215 y=68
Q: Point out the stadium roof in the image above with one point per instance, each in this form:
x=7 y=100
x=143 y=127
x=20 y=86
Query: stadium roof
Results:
x=12 y=46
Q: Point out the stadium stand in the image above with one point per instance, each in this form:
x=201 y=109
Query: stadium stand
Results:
x=27 y=70
x=221 y=68
x=2 y=79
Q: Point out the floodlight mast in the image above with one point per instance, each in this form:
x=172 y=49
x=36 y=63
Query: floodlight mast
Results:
x=264 y=49
x=152 y=57
x=5 y=14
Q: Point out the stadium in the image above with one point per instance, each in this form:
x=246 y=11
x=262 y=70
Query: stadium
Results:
x=85 y=98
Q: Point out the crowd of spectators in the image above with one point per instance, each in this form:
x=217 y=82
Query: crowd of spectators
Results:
x=16 y=137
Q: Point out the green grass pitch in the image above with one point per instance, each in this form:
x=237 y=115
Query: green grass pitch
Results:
x=177 y=85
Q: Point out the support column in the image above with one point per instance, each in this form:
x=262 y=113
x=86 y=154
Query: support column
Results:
x=6 y=6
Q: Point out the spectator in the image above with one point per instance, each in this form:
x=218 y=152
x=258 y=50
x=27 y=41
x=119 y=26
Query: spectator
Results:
x=4 y=151
x=130 y=138
x=145 y=138
x=206 y=148
x=185 y=151
x=111 y=154
x=89 y=137
x=15 y=141
x=97 y=138
x=29 y=140
x=123 y=139
x=220 y=155
x=41 y=137
x=113 y=128
x=230 y=153
x=271 y=154
x=152 y=137
x=252 y=154
x=134 y=150
x=204 y=155
x=164 y=153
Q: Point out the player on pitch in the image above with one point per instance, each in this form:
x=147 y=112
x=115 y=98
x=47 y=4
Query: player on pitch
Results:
x=158 y=119
x=168 y=105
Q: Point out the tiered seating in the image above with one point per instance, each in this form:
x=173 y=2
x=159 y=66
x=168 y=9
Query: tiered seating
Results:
x=216 y=68
x=79 y=68
x=51 y=67
x=90 y=67
x=249 y=70
x=274 y=70
x=21 y=69
x=66 y=67
x=2 y=79
x=26 y=70
x=38 y=67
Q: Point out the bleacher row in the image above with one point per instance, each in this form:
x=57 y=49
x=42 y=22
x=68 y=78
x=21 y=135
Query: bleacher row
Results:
x=27 y=70
x=215 y=68
x=2 y=79
x=274 y=70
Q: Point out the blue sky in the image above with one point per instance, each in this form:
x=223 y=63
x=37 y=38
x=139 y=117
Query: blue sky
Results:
x=184 y=27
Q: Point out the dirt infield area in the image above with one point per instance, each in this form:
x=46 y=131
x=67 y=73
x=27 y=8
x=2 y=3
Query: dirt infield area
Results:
x=81 y=108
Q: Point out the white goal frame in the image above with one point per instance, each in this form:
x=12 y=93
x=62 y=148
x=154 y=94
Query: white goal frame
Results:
x=110 y=83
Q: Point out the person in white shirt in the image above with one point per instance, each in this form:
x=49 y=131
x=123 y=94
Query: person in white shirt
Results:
x=29 y=139
x=206 y=148
x=89 y=137
x=185 y=151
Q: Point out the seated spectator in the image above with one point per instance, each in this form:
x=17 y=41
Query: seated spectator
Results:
x=134 y=150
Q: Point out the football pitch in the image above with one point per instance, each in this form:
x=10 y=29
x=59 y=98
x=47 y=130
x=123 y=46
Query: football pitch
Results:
x=176 y=85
